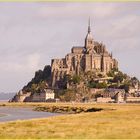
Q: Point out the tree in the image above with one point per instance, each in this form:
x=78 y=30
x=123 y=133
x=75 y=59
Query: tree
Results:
x=76 y=79
x=68 y=95
x=125 y=86
x=111 y=74
x=119 y=77
x=46 y=73
x=93 y=84
x=42 y=85
x=101 y=85
x=34 y=88
x=40 y=79
x=134 y=78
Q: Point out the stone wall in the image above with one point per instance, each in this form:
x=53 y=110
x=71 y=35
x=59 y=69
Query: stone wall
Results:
x=104 y=100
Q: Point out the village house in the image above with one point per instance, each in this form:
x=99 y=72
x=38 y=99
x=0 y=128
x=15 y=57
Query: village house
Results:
x=34 y=97
x=43 y=96
x=112 y=95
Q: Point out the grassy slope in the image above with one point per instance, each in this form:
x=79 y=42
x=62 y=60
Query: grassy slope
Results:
x=123 y=122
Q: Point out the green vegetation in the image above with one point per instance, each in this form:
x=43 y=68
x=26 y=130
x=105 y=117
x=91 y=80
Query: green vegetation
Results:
x=40 y=81
x=125 y=86
x=97 y=85
x=68 y=95
x=37 y=88
x=112 y=72
x=117 y=121
x=76 y=79
x=66 y=109
x=119 y=77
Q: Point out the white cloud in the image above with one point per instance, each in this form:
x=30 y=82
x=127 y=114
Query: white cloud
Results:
x=29 y=63
x=126 y=26
x=33 y=62
x=98 y=10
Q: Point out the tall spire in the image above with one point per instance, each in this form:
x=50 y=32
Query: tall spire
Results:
x=89 y=25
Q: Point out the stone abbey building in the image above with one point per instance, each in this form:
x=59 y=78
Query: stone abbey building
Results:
x=93 y=56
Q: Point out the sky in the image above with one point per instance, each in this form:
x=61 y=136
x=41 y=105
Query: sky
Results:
x=32 y=33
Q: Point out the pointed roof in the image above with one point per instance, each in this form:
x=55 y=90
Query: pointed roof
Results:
x=89 y=35
x=89 y=25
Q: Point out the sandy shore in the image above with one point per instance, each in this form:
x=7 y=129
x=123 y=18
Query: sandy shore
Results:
x=21 y=113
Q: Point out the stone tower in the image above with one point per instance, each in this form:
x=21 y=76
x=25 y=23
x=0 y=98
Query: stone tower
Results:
x=89 y=42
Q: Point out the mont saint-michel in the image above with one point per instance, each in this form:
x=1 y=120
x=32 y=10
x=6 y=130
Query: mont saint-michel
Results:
x=70 y=70
x=89 y=73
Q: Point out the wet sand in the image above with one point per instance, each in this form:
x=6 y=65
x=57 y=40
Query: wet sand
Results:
x=21 y=113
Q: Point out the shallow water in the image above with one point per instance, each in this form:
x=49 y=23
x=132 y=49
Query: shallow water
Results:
x=21 y=113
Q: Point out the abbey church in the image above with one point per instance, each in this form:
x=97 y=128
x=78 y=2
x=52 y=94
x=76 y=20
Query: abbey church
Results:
x=93 y=56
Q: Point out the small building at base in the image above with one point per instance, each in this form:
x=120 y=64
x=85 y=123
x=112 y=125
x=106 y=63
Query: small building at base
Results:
x=43 y=96
x=112 y=95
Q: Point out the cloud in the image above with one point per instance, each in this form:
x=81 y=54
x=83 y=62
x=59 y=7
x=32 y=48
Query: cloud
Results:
x=29 y=63
x=33 y=61
x=126 y=26
x=98 y=10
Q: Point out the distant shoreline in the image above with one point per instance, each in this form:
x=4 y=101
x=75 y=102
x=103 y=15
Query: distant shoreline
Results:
x=2 y=115
x=4 y=100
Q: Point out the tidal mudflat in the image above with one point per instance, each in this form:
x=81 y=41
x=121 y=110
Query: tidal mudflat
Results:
x=21 y=113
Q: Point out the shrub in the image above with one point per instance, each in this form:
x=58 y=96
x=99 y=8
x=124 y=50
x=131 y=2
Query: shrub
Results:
x=76 y=79
x=97 y=85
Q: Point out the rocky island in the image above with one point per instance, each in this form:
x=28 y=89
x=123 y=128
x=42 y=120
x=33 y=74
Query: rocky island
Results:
x=89 y=73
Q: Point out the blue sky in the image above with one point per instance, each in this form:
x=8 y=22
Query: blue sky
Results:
x=31 y=34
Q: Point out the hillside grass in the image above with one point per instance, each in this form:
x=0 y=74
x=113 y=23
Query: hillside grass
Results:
x=120 y=121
